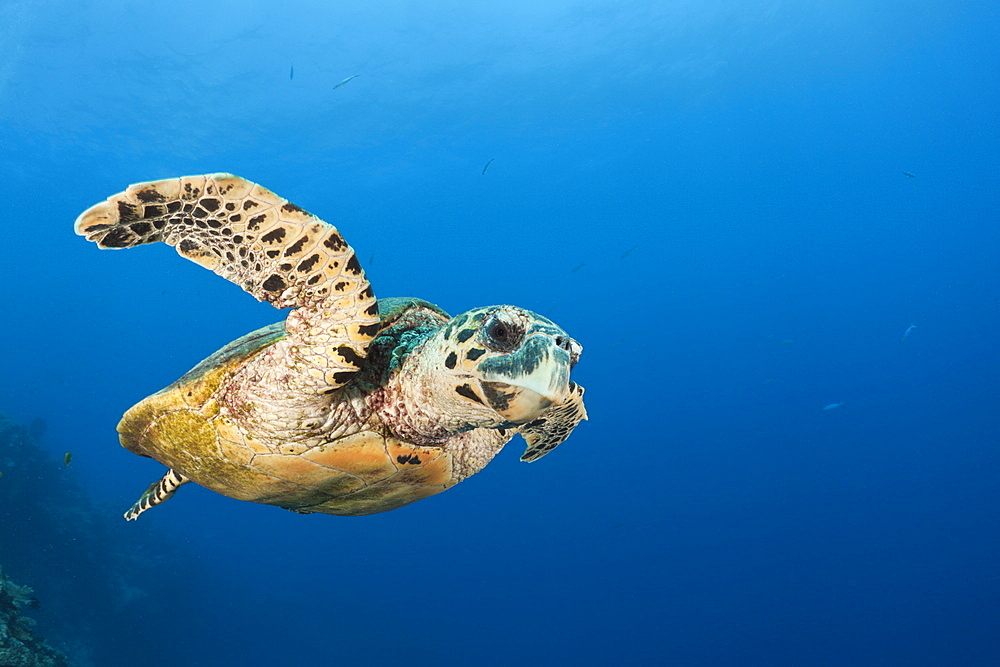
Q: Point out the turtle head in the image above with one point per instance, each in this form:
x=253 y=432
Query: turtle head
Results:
x=506 y=361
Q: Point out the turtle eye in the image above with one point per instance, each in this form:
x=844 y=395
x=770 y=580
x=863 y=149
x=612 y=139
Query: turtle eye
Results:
x=500 y=335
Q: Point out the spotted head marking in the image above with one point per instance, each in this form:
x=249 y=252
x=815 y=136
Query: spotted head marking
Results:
x=508 y=364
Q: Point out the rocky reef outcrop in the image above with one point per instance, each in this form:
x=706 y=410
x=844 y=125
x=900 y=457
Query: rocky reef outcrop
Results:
x=19 y=646
x=92 y=573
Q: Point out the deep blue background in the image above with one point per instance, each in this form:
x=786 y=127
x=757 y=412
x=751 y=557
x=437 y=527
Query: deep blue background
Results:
x=683 y=186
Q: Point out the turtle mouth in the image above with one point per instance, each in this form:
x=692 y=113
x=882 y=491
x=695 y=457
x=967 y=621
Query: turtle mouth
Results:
x=522 y=385
x=517 y=405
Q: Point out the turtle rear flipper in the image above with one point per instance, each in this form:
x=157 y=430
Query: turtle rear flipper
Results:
x=554 y=426
x=268 y=246
x=158 y=491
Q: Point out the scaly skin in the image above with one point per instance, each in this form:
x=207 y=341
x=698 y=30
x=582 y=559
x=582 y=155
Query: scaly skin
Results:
x=349 y=406
x=271 y=248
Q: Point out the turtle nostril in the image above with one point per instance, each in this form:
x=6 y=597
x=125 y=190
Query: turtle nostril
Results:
x=563 y=342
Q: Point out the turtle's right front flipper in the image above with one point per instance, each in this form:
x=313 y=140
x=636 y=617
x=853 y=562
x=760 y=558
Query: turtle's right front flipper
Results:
x=268 y=246
x=160 y=490
x=554 y=425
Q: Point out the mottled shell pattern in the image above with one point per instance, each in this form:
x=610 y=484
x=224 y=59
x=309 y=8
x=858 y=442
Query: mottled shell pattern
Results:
x=351 y=405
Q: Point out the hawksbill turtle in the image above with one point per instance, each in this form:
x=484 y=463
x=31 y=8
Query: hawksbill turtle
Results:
x=349 y=406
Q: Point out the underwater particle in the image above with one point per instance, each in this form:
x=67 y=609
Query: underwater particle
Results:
x=909 y=174
x=787 y=341
x=833 y=406
x=629 y=251
x=487 y=166
x=345 y=81
x=768 y=381
x=67 y=458
x=906 y=334
x=579 y=266
x=291 y=72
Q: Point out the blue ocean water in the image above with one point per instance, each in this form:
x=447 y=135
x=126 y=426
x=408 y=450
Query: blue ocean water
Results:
x=738 y=208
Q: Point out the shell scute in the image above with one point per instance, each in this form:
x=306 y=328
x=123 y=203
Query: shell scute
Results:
x=306 y=474
x=380 y=498
x=362 y=455
x=418 y=465
x=437 y=472
x=236 y=451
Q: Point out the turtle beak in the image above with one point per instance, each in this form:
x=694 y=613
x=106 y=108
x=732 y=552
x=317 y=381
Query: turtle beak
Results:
x=522 y=385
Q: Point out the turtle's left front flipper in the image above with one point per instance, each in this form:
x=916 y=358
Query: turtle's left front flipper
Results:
x=271 y=248
x=554 y=426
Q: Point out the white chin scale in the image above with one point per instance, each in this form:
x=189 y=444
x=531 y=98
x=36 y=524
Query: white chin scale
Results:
x=524 y=406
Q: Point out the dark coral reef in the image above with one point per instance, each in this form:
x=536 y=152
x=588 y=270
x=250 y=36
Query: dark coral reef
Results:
x=19 y=646
x=91 y=573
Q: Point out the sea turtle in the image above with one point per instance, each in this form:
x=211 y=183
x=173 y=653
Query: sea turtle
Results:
x=349 y=406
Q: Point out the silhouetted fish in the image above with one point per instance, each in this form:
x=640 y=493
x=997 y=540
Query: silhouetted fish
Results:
x=578 y=267
x=291 y=72
x=909 y=175
x=906 y=334
x=629 y=251
x=67 y=458
x=345 y=81
x=488 y=165
x=832 y=406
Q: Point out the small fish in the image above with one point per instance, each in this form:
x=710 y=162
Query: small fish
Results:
x=833 y=406
x=768 y=381
x=909 y=175
x=629 y=251
x=578 y=267
x=371 y=260
x=488 y=165
x=787 y=341
x=291 y=72
x=345 y=81
x=67 y=458
x=1 y=475
x=906 y=334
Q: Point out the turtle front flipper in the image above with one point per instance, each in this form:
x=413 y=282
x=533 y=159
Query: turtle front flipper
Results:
x=268 y=246
x=160 y=490
x=554 y=426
